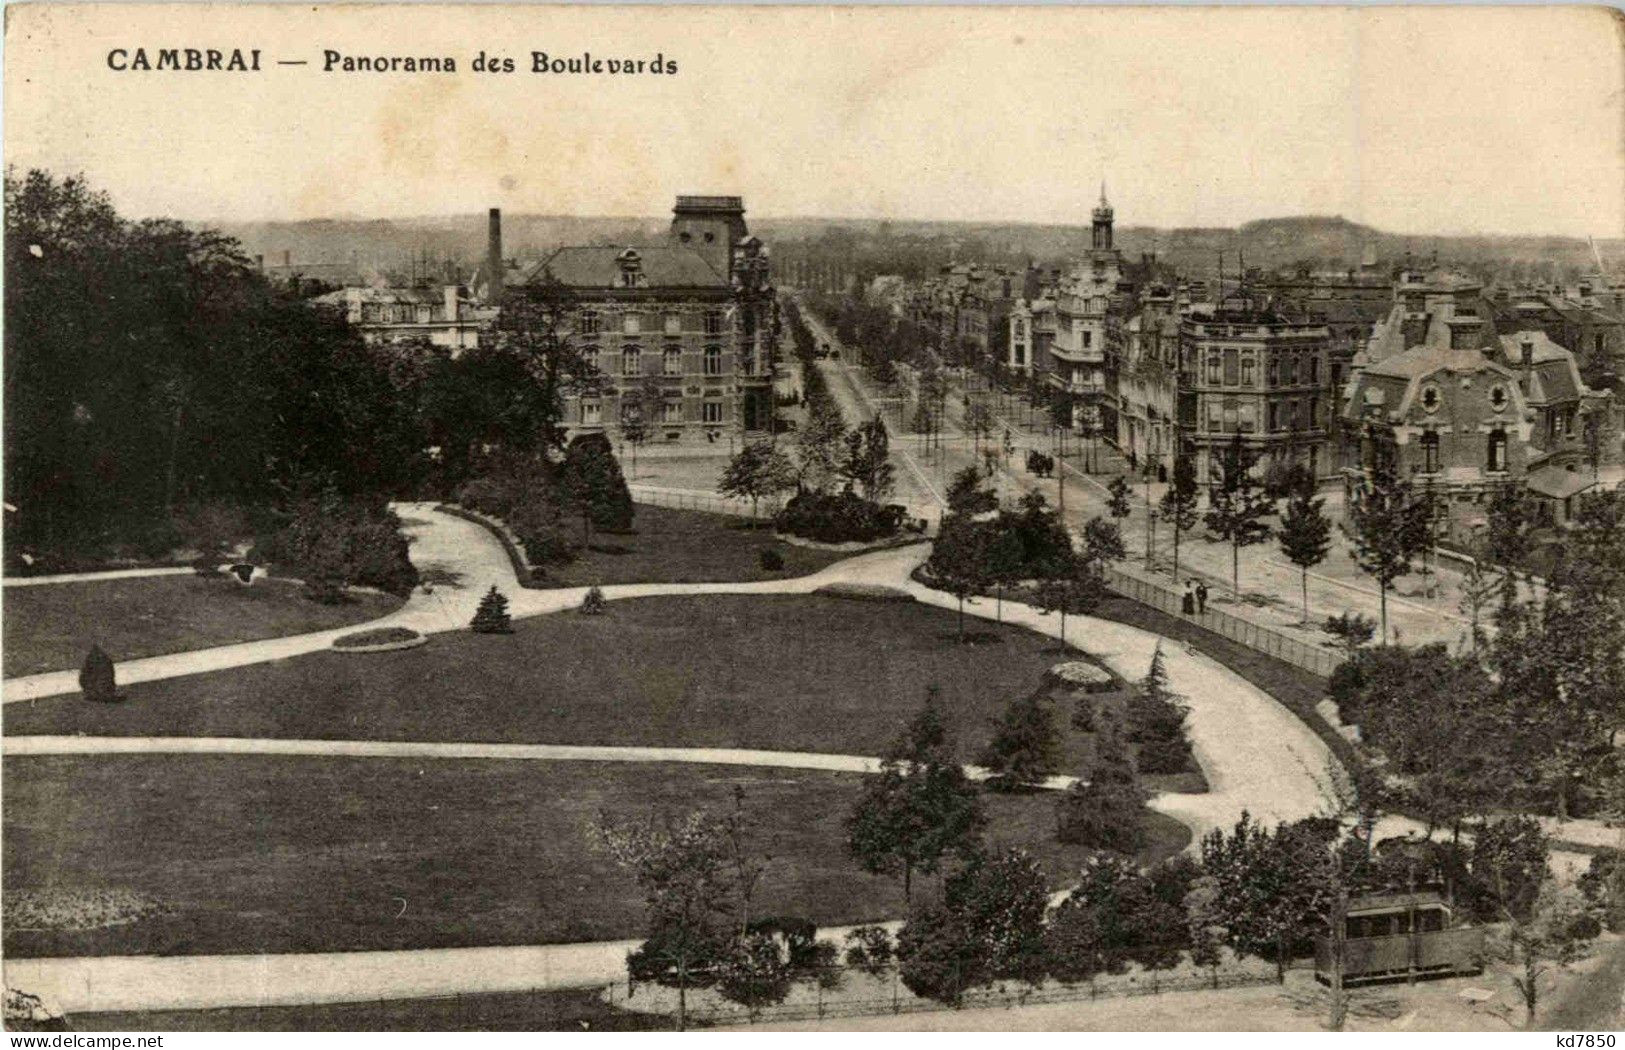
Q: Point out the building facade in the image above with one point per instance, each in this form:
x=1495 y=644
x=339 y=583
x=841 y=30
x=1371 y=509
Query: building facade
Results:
x=682 y=335
x=1246 y=370
x=443 y=317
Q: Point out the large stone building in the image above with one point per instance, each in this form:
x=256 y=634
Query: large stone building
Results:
x=1244 y=370
x=1070 y=334
x=1147 y=384
x=1444 y=400
x=683 y=334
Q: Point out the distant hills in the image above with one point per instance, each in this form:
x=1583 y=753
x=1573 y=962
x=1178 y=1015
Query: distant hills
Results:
x=430 y=245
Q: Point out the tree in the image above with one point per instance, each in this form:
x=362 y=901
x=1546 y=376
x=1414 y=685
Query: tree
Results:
x=866 y=460
x=591 y=481
x=1070 y=585
x=1117 y=505
x=1557 y=933
x=757 y=471
x=1478 y=587
x=979 y=423
x=1026 y=745
x=968 y=496
x=641 y=406
x=755 y=973
x=989 y=927
x=819 y=443
x=1104 y=809
x=1306 y=536
x=97 y=677
x=919 y=808
x=492 y=615
x=1178 y=504
x=1385 y=534
x=1509 y=535
x=1352 y=629
x=1237 y=507
x=959 y=559
x=1156 y=721
x=689 y=893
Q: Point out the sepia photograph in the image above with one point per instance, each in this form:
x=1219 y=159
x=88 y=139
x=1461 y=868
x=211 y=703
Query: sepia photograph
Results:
x=661 y=518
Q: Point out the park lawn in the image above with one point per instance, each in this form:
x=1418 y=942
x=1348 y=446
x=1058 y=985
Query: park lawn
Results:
x=570 y=1010
x=778 y=672
x=686 y=546
x=51 y=627
x=245 y=853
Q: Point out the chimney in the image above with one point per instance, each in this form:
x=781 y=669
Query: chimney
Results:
x=493 y=257
x=287 y=257
x=1527 y=357
x=450 y=292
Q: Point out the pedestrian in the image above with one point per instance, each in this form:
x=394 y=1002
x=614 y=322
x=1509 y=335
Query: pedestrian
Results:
x=1201 y=597
x=1187 y=602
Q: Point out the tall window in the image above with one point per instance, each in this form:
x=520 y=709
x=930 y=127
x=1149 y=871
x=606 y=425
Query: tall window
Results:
x=590 y=357
x=1314 y=414
x=588 y=322
x=1273 y=414
x=671 y=361
x=1231 y=375
x=1248 y=365
x=671 y=412
x=1214 y=363
x=1273 y=370
x=1248 y=418
x=1289 y=370
x=712 y=412
x=631 y=323
x=1430 y=451
x=1497 y=458
x=713 y=322
x=713 y=360
x=591 y=413
x=674 y=324
x=631 y=361
x=1314 y=370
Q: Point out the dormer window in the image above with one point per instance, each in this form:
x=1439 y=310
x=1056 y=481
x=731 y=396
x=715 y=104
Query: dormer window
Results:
x=1498 y=397
x=630 y=265
x=1431 y=399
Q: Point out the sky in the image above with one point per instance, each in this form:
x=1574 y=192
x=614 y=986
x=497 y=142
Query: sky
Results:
x=1428 y=120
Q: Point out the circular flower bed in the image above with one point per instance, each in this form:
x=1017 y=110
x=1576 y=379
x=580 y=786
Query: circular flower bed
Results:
x=379 y=640
x=1080 y=674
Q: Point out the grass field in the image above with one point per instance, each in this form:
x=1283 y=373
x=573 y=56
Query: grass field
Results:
x=230 y=854
x=797 y=673
x=686 y=546
x=52 y=626
x=576 y=1010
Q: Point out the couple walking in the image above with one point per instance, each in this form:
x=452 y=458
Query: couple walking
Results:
x=1195 y=599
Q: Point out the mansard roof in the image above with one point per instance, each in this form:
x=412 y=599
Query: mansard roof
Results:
x=599 y=268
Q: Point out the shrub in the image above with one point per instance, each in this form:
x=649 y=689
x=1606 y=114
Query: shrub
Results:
x=1603 y=885
x=841 y=517
x=1167 y=754
x=96 y=677
x=770 y=559
x=593 y=603
x=869 y=949
x=864 y=592
x=756 y=973
x=333 y=542
x=492 y=615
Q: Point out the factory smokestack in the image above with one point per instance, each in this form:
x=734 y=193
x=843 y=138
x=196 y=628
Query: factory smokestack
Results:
x=493 y=256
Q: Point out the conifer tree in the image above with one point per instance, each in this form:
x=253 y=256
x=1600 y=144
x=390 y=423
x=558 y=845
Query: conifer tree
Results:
x=1385 y=536
x=1156 y=721
x=1026 y=746
x=1237 y=507
x=96 y=677
x=1306 y=536
x=492 y=615
x=1103 y=810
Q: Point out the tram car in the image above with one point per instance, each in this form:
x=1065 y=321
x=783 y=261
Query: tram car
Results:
x=1401 y=936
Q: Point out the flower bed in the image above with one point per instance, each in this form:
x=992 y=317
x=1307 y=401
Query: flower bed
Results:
x=1080 y=674
x=379 y=640
x=75 y=909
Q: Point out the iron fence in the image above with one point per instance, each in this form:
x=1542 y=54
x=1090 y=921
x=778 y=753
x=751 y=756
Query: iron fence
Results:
x=678 y=500
x=1267 y=640
x=899 y=1000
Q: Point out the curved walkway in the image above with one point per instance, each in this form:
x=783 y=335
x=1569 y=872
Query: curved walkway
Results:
x=1255 y=754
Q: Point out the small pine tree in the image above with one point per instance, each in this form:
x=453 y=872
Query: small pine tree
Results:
x=1306 y=536
x=97 y=678
x=1156 y=720
x=1026 y=746
x=492 y=615
x=1104 y=810
x=594 y=603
